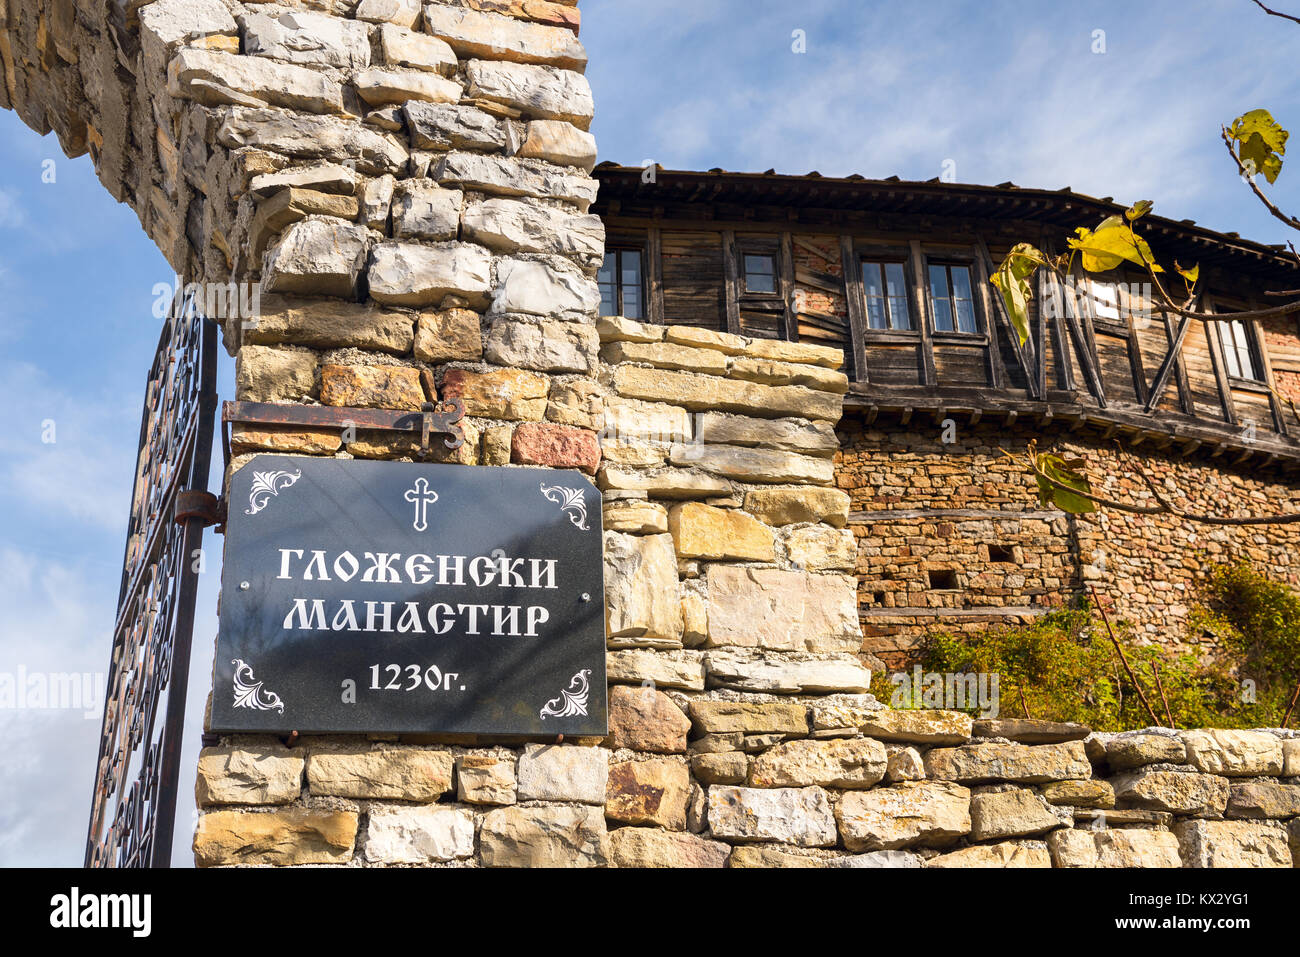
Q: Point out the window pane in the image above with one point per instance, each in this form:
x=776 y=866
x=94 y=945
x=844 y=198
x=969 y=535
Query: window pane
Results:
x=1105 y=300
x=760 y=274
x=876 y=314
x=1229 y=349
x=896 y=288
x=630 y=259
x=939 y=297
x=963 y=299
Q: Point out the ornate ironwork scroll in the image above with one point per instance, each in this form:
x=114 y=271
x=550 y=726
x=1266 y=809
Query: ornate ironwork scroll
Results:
x=133 y=807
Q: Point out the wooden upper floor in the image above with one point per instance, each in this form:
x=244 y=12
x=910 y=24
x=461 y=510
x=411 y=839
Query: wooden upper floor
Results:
x=896 y=274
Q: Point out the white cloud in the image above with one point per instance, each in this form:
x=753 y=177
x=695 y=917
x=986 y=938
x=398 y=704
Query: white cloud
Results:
x=11 y=213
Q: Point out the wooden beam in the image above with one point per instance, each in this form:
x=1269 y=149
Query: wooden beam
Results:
x=654 y=270
x=997 y=375
x=857 y=307
x=1274 y=403
x=1220 y=367
x=1172 y=358
x=923 y=310
x=731 y=275
x=789 y=322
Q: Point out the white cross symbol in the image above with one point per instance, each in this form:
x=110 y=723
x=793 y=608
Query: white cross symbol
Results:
x=422 y=497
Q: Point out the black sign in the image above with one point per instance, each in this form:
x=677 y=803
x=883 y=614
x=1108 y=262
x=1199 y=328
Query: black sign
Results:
x=388 y=596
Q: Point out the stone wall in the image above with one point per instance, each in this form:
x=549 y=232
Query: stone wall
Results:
x=761 y=781
x=920 y=506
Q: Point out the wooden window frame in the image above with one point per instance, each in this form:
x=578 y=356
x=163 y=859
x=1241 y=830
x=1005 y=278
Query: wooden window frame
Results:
x=980 y=335
x=881 y=257
x=743 y=250
x=618 y=249
x=1256 y=381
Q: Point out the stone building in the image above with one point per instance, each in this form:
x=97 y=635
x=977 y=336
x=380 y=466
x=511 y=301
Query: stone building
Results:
x=949 y=534
x=411 y=184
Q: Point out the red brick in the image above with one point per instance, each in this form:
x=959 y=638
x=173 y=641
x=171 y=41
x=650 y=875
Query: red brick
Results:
x=555 y=446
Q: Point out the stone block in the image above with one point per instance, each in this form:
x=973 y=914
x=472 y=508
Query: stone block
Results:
x=404 y=274
x=649 y=792
x=419 y=835
x=1001 y=814
x=288 y=836
x=1029 y=764
x=701 y=531
x=790 y=506
x=395 y=774
x=499 y=394
x=652 y=847
x=563 y=773
x=798 y=816
x=914 y=814
x=544 y=837
x=782 y=610
x=484 y=779
x=850 y=763
x=644 y=719
x=448 y=335
x=248 y=775
x=641 y=595
x=371 y=387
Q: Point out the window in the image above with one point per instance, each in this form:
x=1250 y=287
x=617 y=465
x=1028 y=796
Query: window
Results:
x=619 y=279
x=885 y=287
x=760 y=273
x=952 y=298
x=1001 y=553
x=942 y=579
x=1236 y=349
x=1100 y=299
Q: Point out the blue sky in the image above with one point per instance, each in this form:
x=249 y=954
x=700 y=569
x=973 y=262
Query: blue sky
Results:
x=1005 y=91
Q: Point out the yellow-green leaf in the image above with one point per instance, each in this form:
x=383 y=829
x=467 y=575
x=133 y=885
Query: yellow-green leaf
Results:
x=1111 y=243
x=1138 y=210
x=1261 y=142
x=1190 y=274
x=1069 y=474
x=1012 y=282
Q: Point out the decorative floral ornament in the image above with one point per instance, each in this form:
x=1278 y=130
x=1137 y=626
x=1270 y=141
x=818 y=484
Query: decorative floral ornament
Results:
x=267 y=485
x=249 y=693
x=570 y=702
x=571 y=501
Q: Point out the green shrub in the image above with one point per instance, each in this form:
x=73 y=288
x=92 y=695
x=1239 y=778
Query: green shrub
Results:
x=1064 y=667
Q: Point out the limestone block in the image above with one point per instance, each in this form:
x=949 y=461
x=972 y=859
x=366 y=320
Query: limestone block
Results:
x=1264 y=799
x=678 y=669
x=922 y=813
x=789 y=506
x=560 y=143
x=316 y=256
x=1090 y=794
x=544 y=837
x=1008 y=854
x=748 y=717
x=664 y=483
x=539 y=92
x=1030 y=764
x=385 y=86
x=791 y=435
x=1179 y=792
x=203 y=75
x=404 y=13
x=758 y=671
x=563 y=773
x=484 y=779
x=653 y=847
x=577 y=402
x=474 y=34
x=545 y=346
x=628 y=420
x=786 y=373
x=419 y=835
x=649 y=792
x=249 y=775
x=1232 y=843
x=448 y=334
x=721 y=767
x=266 y=374
x=1234 y=753
x=753 y=465
x=307 y=38
x=1030 y=731
x=371 y=387
x=645 y=719
x=425 y=211
x=820 y=548
x=798 y=816
x=508 y=176
x=524 y=225
x=287 y=836
x=641 y=598
x=1002 y=814
x=779 y=351
x=904 y=764
x=1114 y=848
x=499 y=394
x=848 y=763
x=929 y=726
x=400 y=774
x=704 y=393
x=782 y=610
x=552 y=288
x=321 y=177
x=311 y=137
x=618 y=329
x=701 y=531
x=408 y=275
x=453 y=127
x=411 y=50
x=665 y=355
x=1135 y=749
x=635 y=517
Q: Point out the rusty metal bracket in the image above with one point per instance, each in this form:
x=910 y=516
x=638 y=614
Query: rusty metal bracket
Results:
x=442 y=418
x=202 y=505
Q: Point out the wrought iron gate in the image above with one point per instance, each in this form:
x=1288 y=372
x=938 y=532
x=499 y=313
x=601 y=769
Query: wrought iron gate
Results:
x=133 y=807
